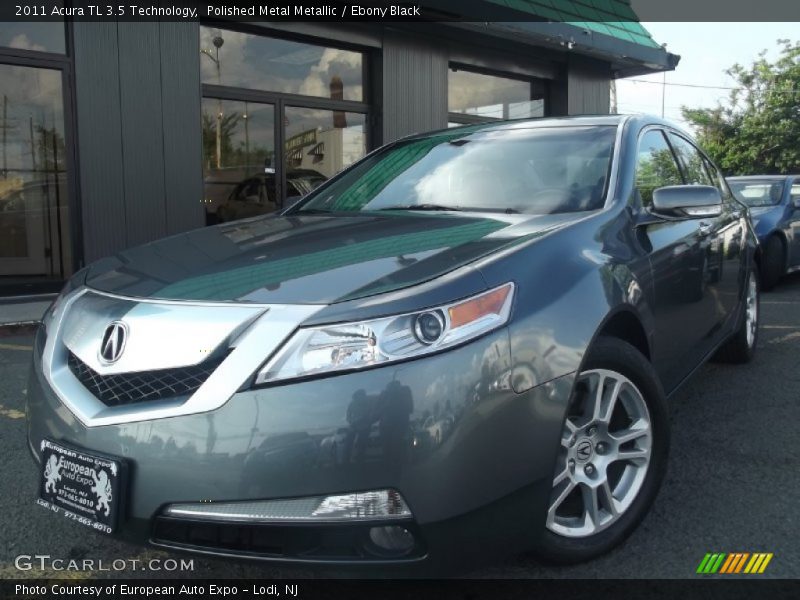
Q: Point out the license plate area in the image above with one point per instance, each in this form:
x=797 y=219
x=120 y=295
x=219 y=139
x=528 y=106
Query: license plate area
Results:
x=86 y=487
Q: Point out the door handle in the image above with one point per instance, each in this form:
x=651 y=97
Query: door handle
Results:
x=704 y=227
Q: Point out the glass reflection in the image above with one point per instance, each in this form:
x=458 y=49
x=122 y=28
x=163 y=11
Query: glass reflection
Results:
x=322 y=142
x=275 y=65
x=41 y=37
x=238 y=155
x=34 y=228
x=494 y=97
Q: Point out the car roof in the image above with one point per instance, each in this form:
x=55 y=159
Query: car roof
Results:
x=573 y=121
x=759 y=177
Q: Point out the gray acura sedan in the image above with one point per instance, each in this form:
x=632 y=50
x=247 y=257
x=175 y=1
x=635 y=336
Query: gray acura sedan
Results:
x=462 y=344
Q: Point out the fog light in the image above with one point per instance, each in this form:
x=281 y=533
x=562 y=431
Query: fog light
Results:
x=360 y=506
x=392 y=539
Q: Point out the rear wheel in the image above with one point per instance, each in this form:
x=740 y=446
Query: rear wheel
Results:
x=612 y=457
x=773 y=263
x=742 y=346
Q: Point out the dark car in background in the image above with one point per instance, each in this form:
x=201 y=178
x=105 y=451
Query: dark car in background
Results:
x=774 y=202
x=462 y=345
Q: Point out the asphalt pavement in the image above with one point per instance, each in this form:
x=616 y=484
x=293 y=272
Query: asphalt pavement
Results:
x=732 y=486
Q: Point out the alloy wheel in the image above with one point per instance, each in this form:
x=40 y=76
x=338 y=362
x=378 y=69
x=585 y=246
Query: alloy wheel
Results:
x=604 y=455
x=751 y=311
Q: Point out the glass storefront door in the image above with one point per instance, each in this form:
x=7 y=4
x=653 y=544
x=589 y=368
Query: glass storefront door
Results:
x=279 y=117
x=240 y=174
x=34 y=214
x=238 y=159
x=319 y=143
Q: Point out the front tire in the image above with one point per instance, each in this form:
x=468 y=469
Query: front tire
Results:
x=773 y=264
x=612 y=457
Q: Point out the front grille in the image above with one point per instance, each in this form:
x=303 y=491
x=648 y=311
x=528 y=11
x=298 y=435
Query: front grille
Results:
x=128 y=388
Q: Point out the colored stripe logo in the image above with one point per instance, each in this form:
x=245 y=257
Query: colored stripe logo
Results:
x=734 y=562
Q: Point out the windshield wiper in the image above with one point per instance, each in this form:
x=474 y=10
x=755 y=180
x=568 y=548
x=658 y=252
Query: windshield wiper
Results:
x=508 y=211
x=422 y=207
x=312 y=211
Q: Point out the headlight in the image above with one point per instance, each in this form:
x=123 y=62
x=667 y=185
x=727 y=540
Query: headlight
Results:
x=346 y=346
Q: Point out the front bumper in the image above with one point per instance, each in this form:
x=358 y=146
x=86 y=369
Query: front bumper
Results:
x=472 y=458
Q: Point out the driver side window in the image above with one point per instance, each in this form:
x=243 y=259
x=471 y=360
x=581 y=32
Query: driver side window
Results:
x=655 y=166
x=693 y=164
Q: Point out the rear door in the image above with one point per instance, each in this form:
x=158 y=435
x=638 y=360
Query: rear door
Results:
x=721 y=240
x=677 y=254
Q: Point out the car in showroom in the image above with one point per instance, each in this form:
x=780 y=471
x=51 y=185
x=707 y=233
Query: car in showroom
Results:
x=774 y=202
x=257 y=195
x=460 y=346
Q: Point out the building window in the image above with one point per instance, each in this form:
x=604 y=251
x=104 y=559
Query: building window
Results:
x=323 y=141
x=35 y=153
x=238 y=155
x=474 y=97
x=39 y=37
x=279 y=117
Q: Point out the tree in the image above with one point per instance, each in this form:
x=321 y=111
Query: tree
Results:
x=234 y=151
x=50 y=149
x=759 y=132
x=228 y=127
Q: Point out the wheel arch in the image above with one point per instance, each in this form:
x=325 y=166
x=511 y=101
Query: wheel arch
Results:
x=625 y=324
x=781 y=237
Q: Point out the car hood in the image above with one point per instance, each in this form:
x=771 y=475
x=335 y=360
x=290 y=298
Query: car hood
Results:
x=312 y=259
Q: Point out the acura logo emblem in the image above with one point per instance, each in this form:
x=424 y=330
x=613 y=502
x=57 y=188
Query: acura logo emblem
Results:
x=113 y=343
x=584 y=450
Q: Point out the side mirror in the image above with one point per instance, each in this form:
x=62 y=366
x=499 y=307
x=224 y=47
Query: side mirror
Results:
x=796 y=201
x=687 y=201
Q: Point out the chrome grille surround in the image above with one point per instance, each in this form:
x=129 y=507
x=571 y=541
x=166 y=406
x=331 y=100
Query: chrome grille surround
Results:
x=164 y=334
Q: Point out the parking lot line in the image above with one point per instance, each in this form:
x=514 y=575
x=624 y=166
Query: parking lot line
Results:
x=11 y=413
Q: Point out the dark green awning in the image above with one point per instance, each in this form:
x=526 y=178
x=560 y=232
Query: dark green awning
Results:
x=614 y=18
x=607 y=30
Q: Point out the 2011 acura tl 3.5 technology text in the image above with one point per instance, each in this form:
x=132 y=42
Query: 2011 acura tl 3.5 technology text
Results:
x=463 y=343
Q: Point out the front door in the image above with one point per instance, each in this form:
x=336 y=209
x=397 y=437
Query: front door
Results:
x=678 y=252
x=722 y=242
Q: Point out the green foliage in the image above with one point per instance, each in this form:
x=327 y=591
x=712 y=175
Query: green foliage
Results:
x=655 y=170
x=759 y=132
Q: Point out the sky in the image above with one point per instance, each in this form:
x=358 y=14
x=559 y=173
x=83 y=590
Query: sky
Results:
x=706 y=50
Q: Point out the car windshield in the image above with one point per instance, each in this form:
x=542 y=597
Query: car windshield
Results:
x=757 y=192
x=537 y=170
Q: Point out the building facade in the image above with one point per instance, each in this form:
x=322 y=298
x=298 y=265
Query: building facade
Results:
x=115 y=134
